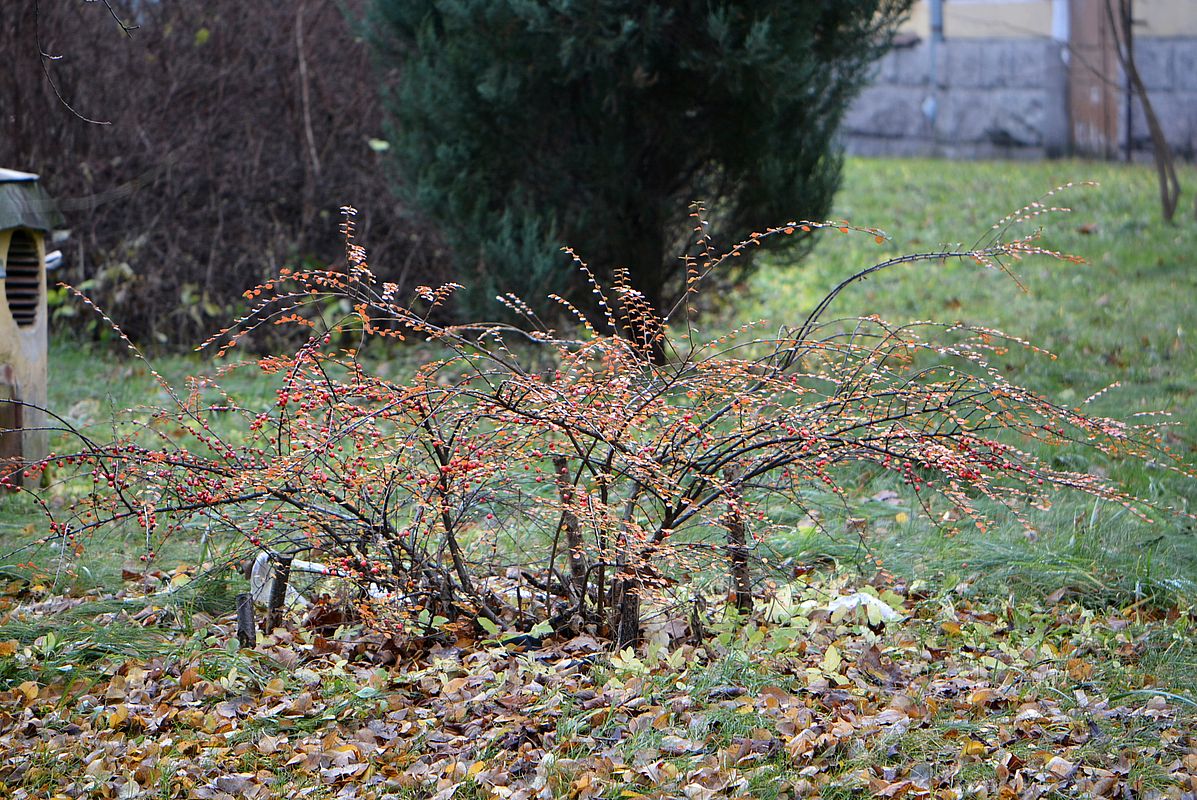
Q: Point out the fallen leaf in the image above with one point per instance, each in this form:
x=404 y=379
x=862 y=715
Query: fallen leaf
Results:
x=973 y=748
x=831 y=660
x=29 y=690
x=118 y=716
x=1060 y=767
x=677 y=746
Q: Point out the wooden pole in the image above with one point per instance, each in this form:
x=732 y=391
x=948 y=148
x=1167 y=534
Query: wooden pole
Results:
x=246 y=629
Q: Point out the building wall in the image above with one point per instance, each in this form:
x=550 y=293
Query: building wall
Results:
x=23 y=356
x=992 y=99
x=1168 y=66
x=993 y=19
x=969 y=19
x=1028 y=78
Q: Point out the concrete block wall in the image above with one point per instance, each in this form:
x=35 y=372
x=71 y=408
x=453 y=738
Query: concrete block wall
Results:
x=1169 y=69
x=1006 y=98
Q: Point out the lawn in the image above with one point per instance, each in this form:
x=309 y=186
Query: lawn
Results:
x=997 y=665
x=1124 y=318
x=1125 y=315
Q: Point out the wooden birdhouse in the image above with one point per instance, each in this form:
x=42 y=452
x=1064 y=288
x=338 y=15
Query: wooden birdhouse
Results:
x=27 y=215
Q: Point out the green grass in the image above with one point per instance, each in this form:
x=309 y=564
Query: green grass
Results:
x=74 y=646
x=91 y=386
x=1125 y=316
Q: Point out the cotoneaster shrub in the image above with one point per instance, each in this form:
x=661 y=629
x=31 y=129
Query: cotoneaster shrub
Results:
x=527 y=475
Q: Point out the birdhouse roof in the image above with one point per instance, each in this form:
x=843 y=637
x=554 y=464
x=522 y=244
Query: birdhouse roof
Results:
x=24 y=203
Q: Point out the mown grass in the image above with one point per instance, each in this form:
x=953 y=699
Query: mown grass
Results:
x=92 y=387
x=1125 y=316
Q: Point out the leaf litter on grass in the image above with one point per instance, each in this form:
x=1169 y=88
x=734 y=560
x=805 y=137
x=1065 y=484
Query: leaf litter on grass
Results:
x=815 y=697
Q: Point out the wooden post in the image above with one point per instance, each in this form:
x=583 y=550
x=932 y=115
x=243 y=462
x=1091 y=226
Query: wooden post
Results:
x=737 y=547
x=573 y=535
x=278 y=593
x=246 y=629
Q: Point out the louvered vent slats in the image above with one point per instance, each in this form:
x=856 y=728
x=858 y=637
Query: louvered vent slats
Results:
x=22 y=283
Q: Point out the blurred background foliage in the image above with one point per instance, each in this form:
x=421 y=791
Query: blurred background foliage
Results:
x=527 y=125
x=476 y=138
x=232 y=133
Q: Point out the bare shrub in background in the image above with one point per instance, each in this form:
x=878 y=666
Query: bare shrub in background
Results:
x=236 y=130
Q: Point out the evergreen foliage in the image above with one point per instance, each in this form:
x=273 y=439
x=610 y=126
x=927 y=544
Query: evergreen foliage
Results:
x=524 y=125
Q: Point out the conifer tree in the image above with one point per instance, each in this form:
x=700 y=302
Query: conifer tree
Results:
x=520 y=126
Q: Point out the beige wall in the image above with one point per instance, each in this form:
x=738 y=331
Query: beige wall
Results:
x=971 y=19
x=988 y=19
x=1167 y=17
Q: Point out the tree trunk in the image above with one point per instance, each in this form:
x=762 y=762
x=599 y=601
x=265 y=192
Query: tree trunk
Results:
x=737 y=549
x=626 y=607
x=573 y=535
x=1165 y=164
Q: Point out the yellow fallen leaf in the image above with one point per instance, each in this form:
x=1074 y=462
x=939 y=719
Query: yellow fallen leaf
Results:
x=901 y=518
x=973 y=748
x=118 y=716
x=832 y=659
x=9 y=648
x=475 y=768
x=29 y=690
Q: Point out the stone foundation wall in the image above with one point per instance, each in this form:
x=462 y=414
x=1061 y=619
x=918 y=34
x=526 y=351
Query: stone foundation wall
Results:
x=1007 y=98
x=1169 y=69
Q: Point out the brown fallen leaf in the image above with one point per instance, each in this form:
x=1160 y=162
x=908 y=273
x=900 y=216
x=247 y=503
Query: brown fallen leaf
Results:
x=1060 y=767
x=677 y=746
x=189 y=678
